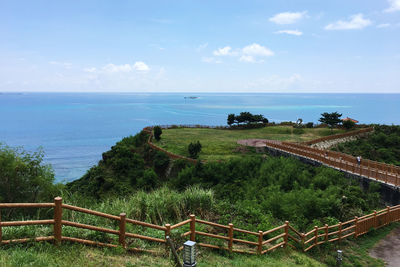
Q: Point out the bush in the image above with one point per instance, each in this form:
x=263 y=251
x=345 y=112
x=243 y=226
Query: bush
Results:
x=194 y=149
x=157 y=132
x=24 y=178
x=298 y=130
x=309 y=125
x=348 y=124
x=161 y=162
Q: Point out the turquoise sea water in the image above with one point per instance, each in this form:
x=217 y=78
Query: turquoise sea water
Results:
x=74 y=129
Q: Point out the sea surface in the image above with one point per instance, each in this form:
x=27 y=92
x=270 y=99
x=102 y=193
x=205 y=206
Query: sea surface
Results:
x=74 y=129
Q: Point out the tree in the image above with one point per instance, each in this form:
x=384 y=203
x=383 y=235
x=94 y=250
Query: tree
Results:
x=24 y=178
x=194 y=149
x=348 y=124
x=332 y=119
x=157 y=132
x=247 y=118
x=231 y=119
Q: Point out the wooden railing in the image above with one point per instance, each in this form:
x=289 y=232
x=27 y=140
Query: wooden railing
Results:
x=379 y=171
x=169 y=154
x=338 y=136
x=259 y=242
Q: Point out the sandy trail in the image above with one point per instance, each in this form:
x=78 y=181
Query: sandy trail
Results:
x=387 y=249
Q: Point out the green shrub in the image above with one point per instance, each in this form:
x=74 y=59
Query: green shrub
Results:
x=194 y=149
x=157 y=132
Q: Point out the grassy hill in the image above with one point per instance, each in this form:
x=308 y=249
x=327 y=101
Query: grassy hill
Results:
x=220 y=144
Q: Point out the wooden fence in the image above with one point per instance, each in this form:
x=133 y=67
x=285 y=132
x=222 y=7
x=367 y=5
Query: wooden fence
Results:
x=379 y=171
x=338 y=136
x=259 y=242
x=169 y=154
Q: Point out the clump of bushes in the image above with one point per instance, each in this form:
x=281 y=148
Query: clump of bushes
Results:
x=194 y=149
x=157 y=132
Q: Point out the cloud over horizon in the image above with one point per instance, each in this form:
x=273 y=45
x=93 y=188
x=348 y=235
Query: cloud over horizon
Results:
x=290 y=32
x=288 y=17
x=355 y=22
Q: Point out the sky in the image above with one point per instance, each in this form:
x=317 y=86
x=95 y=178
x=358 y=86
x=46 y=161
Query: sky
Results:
x=332 y=46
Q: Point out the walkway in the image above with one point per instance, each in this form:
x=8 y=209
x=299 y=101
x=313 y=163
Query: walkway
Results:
x=377 y=171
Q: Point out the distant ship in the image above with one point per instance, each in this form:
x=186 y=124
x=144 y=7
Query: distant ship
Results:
x=191 y=97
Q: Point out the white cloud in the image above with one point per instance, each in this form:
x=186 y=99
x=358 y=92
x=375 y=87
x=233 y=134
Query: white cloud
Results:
x=117 y=68
x=201 y=47
x=250 y=53
x=291 y=32
x=249 y=59
x=225 y=51
x=90 y=70
x=288 y=17
x=141 y=66
x=356 y=21
x=66 y=65
x=394 y=6
x=112 y=68
x=383 y=25
x=210 y=60
x=257 y=50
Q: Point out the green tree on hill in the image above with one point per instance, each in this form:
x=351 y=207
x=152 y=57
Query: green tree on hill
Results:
x=348 y=124
x=231 y=119
x=24 y=178
x=194 y=149
x=157 y=132
x=332 y=119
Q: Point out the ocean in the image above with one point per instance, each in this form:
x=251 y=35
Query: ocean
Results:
x=74 y=129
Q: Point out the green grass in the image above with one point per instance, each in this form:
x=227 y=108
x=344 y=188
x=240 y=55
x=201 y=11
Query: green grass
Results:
x=220 y=144
x=46 y=254
x=355 y=251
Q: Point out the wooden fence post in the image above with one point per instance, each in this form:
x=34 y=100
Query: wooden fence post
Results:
x=167 y=231
x=326 y=232
x=230 y=235
x=193 y=228
x=286 y=238
x=316 y=235
x=260 y=240
x=122 y=229
x=57 y=220
x=356 y=224
x=388 y=220
x=303 y=236
x=340 y=232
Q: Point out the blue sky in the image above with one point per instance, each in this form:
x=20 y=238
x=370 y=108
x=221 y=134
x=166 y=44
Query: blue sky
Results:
x=200 y=46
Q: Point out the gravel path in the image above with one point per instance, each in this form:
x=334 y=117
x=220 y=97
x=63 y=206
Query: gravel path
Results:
x=387 y=249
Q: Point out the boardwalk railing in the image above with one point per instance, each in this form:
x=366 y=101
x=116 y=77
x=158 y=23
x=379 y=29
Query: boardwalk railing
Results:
x=338 y=136
x=250 y=242
x=382 y=172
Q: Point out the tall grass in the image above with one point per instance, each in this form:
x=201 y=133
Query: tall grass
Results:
x=160 y=206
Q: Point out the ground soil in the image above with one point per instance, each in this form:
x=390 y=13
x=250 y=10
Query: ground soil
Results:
x=387 y=249
x=252 y=142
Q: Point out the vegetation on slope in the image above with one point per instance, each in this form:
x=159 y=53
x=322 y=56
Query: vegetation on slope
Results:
x=220 y=144
x=252 y=192
x=382 y=145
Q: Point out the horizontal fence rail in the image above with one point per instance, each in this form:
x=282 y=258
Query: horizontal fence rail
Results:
x=385 y=173
x=205 y=233
x=338 y=136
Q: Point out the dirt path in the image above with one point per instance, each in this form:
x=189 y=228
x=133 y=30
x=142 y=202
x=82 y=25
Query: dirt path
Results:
x=252 y=142
x=388 y=249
